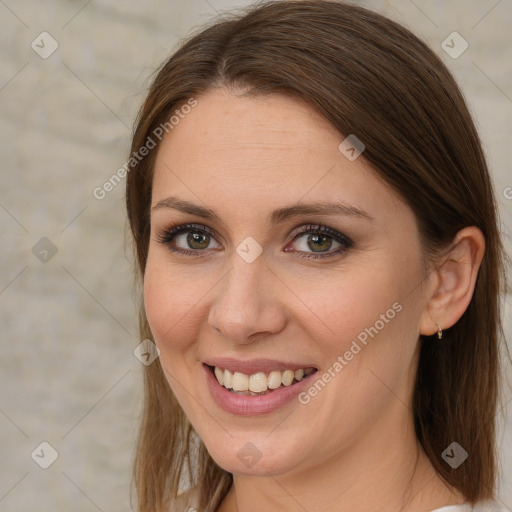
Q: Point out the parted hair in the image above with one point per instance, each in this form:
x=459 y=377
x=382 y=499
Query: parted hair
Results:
x=367 y=75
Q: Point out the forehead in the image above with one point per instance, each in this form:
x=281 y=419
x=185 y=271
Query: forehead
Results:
x=272 y=125
x=261 y=149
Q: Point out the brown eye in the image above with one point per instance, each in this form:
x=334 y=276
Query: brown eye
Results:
x=314 y=242
x=188 y=239
x=197 y=240
x=319 y=242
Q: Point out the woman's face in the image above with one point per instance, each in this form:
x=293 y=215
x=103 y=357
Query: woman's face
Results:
x=309 y=261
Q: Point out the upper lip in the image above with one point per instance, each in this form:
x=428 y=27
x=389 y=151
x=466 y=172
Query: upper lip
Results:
x=250 y=366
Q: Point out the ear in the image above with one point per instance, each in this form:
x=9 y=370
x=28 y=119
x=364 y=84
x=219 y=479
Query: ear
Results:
x=452 y=282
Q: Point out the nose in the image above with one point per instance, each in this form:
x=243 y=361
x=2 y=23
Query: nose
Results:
x=248 y=305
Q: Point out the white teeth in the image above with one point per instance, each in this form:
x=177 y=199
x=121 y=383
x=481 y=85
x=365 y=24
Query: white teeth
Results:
x=259 y=382
x=228 y=379
x=240 y=382
x=287 y=377
x=220 y=375
x=274 y=380
x=299 y=374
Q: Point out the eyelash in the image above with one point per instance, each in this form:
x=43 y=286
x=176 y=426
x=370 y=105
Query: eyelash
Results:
x=167 y=236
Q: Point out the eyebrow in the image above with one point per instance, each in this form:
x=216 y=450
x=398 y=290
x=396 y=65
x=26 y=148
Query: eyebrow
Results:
x=275 y=217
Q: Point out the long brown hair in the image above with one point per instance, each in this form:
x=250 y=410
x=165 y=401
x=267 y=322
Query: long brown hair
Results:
x=370 y=76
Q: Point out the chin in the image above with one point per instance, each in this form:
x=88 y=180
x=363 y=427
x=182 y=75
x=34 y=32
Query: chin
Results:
x=254 y=455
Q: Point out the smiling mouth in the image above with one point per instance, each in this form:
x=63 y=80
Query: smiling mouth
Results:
x=260 y=383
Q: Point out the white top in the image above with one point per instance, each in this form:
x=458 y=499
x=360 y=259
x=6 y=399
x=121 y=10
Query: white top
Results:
x=190 y=499
x=481 y=506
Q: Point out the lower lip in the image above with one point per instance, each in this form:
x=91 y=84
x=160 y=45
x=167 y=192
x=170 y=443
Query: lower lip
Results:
x=252 y=405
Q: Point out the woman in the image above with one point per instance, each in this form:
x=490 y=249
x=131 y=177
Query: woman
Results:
x=316 y=233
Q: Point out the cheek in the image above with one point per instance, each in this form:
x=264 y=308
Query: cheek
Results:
x=351 y=302
x=370 y=318
x=171 y=300
x=377 y=327
x=155 y=303
x=368 y=354
x=171 y=305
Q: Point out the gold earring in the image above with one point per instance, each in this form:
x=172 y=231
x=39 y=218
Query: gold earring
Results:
x=439 y=331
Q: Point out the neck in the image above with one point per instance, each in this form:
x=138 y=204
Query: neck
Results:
x=386 y=473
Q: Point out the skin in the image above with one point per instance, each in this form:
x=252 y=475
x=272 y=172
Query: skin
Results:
x=353 y=446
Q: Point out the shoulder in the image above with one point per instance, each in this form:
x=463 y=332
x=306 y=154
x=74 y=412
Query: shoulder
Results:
x=187 y=501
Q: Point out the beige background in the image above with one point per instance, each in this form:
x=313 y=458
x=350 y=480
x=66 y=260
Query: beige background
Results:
x=68 y=374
